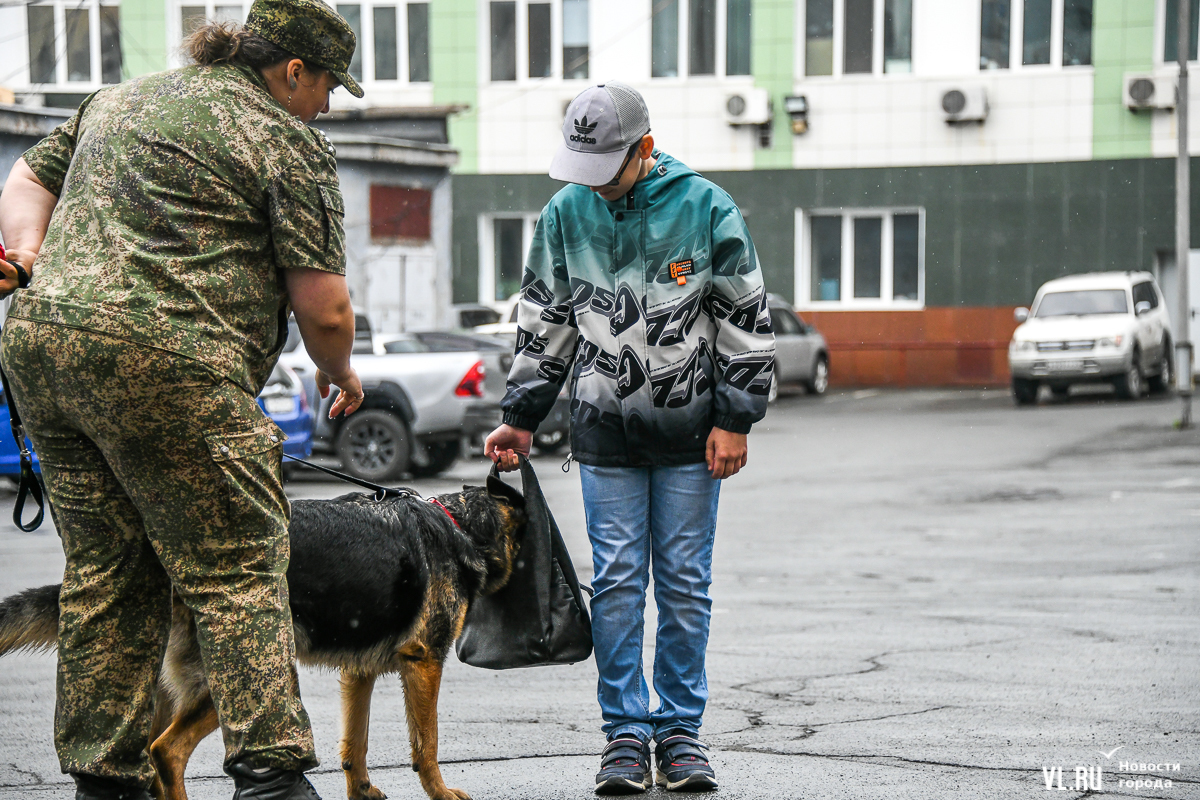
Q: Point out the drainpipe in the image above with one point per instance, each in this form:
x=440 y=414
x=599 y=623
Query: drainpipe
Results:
x=1183 y=344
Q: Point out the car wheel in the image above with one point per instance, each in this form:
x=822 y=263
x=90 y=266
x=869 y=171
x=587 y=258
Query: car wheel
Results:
x=374 y=445
x=1161 y=382
x=1024 y=391
x=441 y=456
x=820 y=377
x=1129 y=384
x=550 y=441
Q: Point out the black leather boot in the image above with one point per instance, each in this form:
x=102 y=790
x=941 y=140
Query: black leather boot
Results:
x=91 y=787
x=269 y=783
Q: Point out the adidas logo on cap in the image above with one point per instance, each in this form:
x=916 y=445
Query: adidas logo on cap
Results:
x=582 y=129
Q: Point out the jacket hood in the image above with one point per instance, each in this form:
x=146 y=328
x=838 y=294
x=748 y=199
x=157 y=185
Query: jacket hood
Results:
x=652 y=188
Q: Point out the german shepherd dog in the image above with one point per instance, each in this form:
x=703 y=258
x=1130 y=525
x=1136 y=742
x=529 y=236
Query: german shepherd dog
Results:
x=376 y=587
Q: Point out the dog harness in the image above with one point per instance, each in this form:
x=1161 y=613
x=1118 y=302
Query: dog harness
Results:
x=438 y=503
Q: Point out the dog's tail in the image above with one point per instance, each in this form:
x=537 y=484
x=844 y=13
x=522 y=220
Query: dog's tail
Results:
x=29 y=620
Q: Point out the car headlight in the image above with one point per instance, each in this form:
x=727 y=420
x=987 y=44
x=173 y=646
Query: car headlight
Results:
x=1020 y=345
x=1110 y=341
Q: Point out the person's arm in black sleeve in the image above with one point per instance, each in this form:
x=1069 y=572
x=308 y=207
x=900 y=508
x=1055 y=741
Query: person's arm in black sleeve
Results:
x=546 y=339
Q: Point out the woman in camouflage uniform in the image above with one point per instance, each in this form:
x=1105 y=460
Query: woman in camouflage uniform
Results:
x=170 y=226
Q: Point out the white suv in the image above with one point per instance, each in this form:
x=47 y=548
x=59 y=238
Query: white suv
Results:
x=1099 y=327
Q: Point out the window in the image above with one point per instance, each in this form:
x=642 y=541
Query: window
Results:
x=190 y=18
x=737 y=37
x=41 y=44
x=79 y=45
x=393 y=36
x=859 y=40
x=418 y=42
x=504 y=241
x=384 y=23
x=1077 y=32
x=664 y=39
x=857 y=37
x=510 y=257
x=503 y=19
x=784 y=322
x=1144 y=293
x=994 y=35
x=897 y=36
x=865 y=258
x=708 y=28
x=1044 y=32
x=1171 y=30
x=110 y=44
x=575 y=38
x=537 y=39
x=1036 y=44
x=398 y=212
x=74 y=42
x=818 y=37
x=353 y=16
x=702 y=37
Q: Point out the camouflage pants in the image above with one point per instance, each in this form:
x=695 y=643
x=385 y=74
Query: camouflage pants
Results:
x=161 y=475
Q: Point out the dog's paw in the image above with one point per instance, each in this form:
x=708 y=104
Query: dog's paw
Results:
x=366 y=791
x=453 y=794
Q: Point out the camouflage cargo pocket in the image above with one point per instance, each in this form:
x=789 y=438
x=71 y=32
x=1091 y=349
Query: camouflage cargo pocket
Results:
x=335 y=216
x=250 y=461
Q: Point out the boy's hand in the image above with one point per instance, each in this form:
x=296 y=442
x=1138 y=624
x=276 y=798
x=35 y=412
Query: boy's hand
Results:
x=725 y=453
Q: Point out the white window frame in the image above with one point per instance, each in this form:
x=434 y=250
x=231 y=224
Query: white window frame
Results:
x=885 y=302
x=839 y=36
x=366 y=43
x=1160 y=35
x=175 y=23
x=61 y=85
x=522 y=45
x=1016 y=40
x=487 y=251
x=722 y=47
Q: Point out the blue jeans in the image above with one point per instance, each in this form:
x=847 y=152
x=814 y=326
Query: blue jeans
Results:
x=636 y=518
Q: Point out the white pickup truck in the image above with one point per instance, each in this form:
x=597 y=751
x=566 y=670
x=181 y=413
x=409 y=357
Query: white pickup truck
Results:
x=423 y=401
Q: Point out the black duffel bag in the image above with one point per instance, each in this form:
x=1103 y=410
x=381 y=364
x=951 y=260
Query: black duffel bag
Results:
x=540 y=616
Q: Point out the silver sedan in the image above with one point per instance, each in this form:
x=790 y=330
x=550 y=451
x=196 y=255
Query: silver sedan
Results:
x=801 y=355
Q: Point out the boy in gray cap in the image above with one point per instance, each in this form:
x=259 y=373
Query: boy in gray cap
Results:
x=643 y=283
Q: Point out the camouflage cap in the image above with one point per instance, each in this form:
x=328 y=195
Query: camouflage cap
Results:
x=311 y=30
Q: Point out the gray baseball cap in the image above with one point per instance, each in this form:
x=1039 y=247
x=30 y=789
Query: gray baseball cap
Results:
x=602 y=123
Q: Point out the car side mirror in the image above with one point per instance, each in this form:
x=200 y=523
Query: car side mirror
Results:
x=1021 y=314
x=1141 y=307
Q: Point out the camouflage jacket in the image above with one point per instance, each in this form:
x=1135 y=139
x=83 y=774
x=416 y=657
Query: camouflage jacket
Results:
x=181 y=196
x=654 y=307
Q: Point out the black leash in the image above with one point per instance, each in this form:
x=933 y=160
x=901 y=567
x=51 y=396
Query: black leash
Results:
x=381 y=492
x=31 y=483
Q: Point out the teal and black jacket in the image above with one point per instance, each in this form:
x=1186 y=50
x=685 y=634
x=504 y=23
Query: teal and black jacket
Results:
x=653 y=306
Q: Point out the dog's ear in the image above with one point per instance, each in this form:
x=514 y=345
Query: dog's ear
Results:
x=502 y=491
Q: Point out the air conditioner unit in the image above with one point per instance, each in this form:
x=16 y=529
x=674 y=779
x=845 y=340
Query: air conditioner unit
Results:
x=1148 y=91
x=748 y=107
x=965 y=104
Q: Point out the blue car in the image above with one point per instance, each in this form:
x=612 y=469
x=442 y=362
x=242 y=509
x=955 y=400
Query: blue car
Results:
x=282 y=399
x=10 y=457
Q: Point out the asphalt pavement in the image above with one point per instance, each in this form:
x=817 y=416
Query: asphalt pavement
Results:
x=921 y=594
